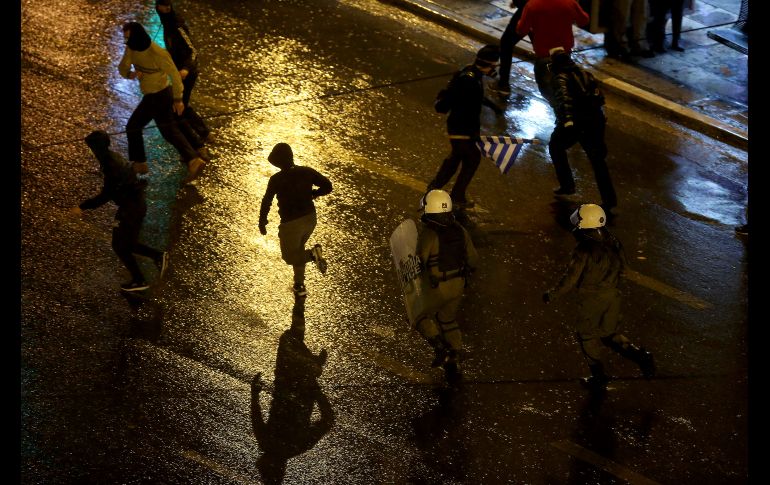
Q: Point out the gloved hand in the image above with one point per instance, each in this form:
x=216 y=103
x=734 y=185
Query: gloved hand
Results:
x=263 y=229
x=547 y=297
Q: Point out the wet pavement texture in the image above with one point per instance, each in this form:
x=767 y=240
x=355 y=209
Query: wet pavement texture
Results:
x=206 y=378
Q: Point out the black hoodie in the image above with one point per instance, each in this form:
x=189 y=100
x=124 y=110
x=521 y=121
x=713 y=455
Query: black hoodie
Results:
x=120 y=183
x=176 y=36
x=138 y=39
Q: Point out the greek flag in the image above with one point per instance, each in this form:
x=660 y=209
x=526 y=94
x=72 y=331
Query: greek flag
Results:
x=502 y=150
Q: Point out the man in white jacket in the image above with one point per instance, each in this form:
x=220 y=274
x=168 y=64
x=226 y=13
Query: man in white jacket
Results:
x=153 y=66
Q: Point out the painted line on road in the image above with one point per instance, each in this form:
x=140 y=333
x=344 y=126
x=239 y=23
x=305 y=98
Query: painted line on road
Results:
x=215 y=467
x=396 y=367
x=603 y=463
x=669 y=291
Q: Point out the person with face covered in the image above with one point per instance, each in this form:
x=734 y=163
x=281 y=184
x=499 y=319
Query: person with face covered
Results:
x=122 y=187
x=294 y=187
x=178 y=41
x=145 y=60
x=462 y=99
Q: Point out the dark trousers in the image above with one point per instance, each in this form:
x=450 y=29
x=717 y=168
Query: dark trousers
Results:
x=159 y=107
x=466 y=155
x=543 y=78
x=125 y=241
x=191 y=124
x=591 y=138
x=508 y=40
x=656 y=29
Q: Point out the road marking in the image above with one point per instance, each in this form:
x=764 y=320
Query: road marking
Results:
x=603 y=463
x=396 y=367
x=665 y=290
x=215 y=467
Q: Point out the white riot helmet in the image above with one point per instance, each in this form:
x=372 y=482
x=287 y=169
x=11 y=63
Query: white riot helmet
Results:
x=588 y=216
x=436 y=202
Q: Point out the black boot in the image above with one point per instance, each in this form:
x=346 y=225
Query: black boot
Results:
x=645 y=361
x=442 y=353
x=598 y=380
x=638 y=355
x=451 y=369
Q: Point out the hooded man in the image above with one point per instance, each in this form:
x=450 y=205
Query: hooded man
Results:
x=294 y=187
x=122 y=187
x=153 y=66
x=176 y=37
x=462 y=99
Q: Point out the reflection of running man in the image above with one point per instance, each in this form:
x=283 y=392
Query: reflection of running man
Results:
x=289 y=430
x=293 y=186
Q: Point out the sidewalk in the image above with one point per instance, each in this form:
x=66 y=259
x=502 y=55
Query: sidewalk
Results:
x=705 y=87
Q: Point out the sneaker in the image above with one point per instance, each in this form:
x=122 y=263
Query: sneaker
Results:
x=742 y=230
x=318 y=258
x=162 y=263
x=194 y=169
x=203 y=152
x=299 y=290
x=134 y=286
x=564 y=191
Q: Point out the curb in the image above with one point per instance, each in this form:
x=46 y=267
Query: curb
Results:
x=686 y=116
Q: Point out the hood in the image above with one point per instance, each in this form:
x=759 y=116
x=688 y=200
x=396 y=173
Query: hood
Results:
x=281 y=156
x=138 y=39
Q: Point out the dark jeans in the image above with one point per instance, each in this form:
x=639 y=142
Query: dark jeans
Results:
x=191 y=124
x=159 y=107
x=656 y=29
x=591 y=138
x=125 y=240
x=465 y=153
x=543 y=78
x=509 y=39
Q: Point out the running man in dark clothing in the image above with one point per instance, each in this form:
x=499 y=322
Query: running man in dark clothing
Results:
x=293 y=186
x=176 y=37
x=122 y=187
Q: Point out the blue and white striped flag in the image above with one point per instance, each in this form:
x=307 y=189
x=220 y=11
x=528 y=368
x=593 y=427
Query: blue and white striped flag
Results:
x=502 y=150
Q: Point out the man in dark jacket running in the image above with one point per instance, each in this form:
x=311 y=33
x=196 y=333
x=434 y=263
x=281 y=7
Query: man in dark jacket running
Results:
x=293 y=186
x=597 y=263
x=178 y=41
x=122 y=187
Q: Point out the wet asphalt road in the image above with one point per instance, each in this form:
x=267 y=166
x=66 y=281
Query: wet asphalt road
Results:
x=158 y=388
